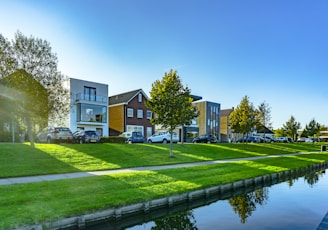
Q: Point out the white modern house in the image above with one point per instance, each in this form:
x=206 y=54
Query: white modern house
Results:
x=88 y=106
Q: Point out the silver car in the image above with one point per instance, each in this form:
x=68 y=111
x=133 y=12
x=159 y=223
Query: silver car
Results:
x=55 y=135
x=163 y=137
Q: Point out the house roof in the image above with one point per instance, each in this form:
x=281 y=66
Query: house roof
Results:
x=125 y=98
x=195 y=97
x=263 y=129
x=225 y=112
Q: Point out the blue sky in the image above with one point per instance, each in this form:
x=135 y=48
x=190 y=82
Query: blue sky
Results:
x=274 y=51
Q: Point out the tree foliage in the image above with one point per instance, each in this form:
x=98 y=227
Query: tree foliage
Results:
x=264 y=115
x=243 y=119
x=35 y=56
x=29 y=98
x=171 y=103
x=291 y=127
x=311 y=129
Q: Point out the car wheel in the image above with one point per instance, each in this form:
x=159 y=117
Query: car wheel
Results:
x=149 y=141
x=164 y=141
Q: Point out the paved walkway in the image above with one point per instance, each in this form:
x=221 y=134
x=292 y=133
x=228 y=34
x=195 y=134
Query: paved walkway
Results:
x=52 y=177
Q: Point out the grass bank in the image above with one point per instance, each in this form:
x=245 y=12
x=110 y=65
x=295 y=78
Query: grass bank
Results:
x=24 y=204
x=22 y=160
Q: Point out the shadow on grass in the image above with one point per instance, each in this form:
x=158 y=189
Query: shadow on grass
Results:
x=22 y=160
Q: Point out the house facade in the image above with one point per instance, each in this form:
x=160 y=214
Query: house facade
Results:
x=128 y=112
x=225 y=131
x=208 y=121
x=88 y=106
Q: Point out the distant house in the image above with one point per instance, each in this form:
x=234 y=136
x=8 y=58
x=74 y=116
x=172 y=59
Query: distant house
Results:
x=88 y=106
x=128 y=112
x=263 y=131
x=225 y=131
x=208 y=121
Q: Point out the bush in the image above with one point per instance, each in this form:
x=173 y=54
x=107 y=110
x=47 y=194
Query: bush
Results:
x=112 y=139
x=7 y=137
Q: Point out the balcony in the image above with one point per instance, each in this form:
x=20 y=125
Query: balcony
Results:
x=91 y=98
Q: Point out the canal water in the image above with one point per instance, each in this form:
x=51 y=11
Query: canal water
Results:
x=298 y=203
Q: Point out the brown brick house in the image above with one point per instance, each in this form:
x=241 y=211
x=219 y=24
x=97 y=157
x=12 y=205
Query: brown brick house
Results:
x=128 y=112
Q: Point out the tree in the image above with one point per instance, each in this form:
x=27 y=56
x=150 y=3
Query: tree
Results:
x=291 y=127
x=171 y=103
x=264 y=115
x=29 y=97
x=34 y=56
x=280 y=132
x=243 y=119
x=311 y=129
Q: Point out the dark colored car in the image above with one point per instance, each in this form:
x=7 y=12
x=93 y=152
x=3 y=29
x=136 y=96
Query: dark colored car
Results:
x=250 y=139
x=133 y=137
x=207 y=138
x=88 y=136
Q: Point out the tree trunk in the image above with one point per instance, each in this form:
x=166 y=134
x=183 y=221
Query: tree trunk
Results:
x=171 y=144
x=29 y=132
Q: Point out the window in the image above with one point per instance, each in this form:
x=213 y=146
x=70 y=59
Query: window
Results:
x=130 y=112
x=89 y=93
x=140 y=113
x=149 y=114
x=140 y=97
x=91 y=113
x=135 y=128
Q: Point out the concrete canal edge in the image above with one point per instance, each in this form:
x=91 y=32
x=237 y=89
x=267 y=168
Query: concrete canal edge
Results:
x=220 y=192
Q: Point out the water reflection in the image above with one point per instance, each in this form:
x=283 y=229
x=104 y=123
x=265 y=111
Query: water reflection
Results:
x=242 y=202
x=182 y=220
x=245 y=205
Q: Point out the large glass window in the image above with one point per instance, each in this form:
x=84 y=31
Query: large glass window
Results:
x=89 y=93
x=91 y=113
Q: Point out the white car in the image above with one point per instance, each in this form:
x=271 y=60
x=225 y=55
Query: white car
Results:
x=163 y=137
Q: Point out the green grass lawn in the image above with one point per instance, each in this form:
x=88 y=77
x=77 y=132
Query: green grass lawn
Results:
x=26 y=204
x=22 y=160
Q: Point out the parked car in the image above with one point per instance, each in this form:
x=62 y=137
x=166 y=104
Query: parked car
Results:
x=133 y=137
x=283 y=139
x=301 y=139
x=55 y=135
x=88 y=136
x=250 y=139
x=270 y=140
x=207 y=138
x=308 y=140
x=163 y=137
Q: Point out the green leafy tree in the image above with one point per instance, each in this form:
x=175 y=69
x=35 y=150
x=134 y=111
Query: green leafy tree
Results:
x=29 y=97
x=35 y=56
x=243 y=119
x=171 y=103
x=264 y=116
x=291 y=127
x=280 y=132
x=311 y=129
